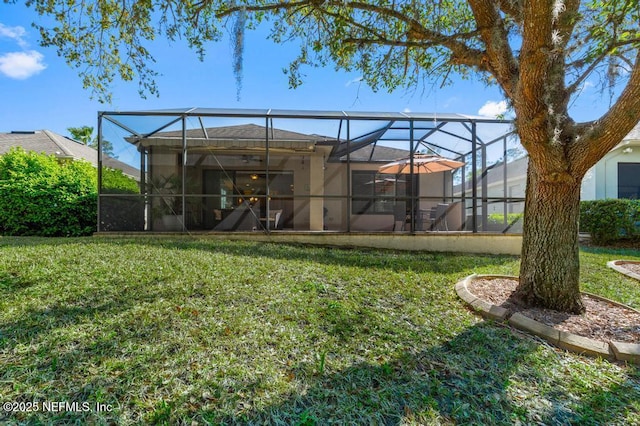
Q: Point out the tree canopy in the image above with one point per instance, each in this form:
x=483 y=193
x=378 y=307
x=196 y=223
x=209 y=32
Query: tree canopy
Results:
x=393 y=43
x=84 y=135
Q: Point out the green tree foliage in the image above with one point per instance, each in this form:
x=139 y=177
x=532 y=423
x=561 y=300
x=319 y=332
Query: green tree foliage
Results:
x=540 y=53
x=84 y=134
x=39 y=195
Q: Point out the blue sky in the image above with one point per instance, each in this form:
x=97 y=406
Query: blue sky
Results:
x=39 y=91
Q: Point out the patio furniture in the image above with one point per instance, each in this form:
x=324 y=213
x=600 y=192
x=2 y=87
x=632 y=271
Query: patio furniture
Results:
x=440 y=217
x=399 y=217
x=423 y=220
x=273 y=220
x=242 y=218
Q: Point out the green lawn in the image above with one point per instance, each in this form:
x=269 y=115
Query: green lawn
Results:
x=186 y=330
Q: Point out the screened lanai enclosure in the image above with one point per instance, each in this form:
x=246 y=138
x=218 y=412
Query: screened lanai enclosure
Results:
x=232 y=170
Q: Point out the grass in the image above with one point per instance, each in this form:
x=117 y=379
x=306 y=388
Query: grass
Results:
x=189 y=331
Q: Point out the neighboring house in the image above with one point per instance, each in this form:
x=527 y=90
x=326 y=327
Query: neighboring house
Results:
x=616 y=175
x=64 y=148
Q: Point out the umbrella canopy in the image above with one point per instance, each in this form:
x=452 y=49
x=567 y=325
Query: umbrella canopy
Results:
x=387 y=180
x=422 y=163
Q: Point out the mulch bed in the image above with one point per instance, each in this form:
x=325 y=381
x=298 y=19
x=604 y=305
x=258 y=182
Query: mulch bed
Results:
x=630 y=266
x=602 y=320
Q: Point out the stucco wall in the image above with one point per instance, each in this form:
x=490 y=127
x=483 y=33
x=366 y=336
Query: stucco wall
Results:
x=606 y=171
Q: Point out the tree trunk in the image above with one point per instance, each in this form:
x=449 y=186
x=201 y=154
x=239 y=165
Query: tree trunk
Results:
x=550 y=266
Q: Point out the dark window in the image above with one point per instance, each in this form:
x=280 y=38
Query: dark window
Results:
x=375 y=193
x=629 y=180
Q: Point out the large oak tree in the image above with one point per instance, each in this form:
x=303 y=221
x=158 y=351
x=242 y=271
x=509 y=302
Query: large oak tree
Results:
x=539 y=52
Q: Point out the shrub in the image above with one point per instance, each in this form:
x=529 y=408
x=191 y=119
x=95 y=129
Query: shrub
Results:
x=610 y=220
x=114 y=181
x=120 y=213
x=41 y=196
x=495 y=222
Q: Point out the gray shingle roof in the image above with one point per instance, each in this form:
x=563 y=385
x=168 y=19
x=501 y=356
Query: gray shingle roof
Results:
x=244 y=136
x=50 y=143
x=243 y=131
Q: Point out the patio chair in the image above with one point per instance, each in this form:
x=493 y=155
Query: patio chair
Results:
x=440 y=221
x=275 y=215
x=399 y=217
x=432 y=219
x=242 y=218
x=273 y=220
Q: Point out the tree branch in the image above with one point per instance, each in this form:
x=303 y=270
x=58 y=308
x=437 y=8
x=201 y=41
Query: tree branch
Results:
x=256 y=8
x=608 y=52
x=599 y=137
x=513 y=8
x=564 y=23
x=417 y=35
x=467 y=56
x=493 y=31
x=574 y=86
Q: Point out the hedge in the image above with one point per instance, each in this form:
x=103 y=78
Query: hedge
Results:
x=39 y=195
x=610 y=220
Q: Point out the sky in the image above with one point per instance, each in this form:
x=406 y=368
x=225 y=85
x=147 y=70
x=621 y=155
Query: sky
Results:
x=40 y=91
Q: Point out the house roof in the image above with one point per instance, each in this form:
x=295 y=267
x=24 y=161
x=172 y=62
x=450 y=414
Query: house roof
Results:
x=243 y=132
x=634 y=135
x=244 y=136
x=248 y=136
x=51 y=143
x=377 y=154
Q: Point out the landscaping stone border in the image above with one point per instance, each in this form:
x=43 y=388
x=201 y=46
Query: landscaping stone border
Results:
x=611 y=350
x=615 y=265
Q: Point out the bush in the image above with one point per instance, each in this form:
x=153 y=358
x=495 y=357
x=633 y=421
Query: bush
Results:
x=114 y=181
x=610 y=220
x=495 y=222
x=41 y=196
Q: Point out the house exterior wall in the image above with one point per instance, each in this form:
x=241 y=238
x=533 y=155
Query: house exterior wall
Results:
x=589 y=183
x=606 y=171
x=368 y=222
x=335 y=187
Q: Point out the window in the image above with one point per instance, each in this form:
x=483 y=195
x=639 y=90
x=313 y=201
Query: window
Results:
x=375 y=193
x=629 y=180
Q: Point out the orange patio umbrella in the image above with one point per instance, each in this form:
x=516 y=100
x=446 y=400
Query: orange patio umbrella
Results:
x=422 y=163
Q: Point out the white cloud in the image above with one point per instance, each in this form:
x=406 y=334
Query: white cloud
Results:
x=585 y=86
x=354 y=81
x=450 y=101
x=14 y=33
x=406 y=110
x=21 y=65
x=493 y=109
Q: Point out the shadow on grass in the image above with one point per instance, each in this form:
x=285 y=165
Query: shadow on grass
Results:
x=393 y=260
x=84 y=308
x=484 y=375
x=628 y=250
x=476 y=378
x=352 y=257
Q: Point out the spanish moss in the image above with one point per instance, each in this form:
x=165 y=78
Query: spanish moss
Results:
x=238 y=48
